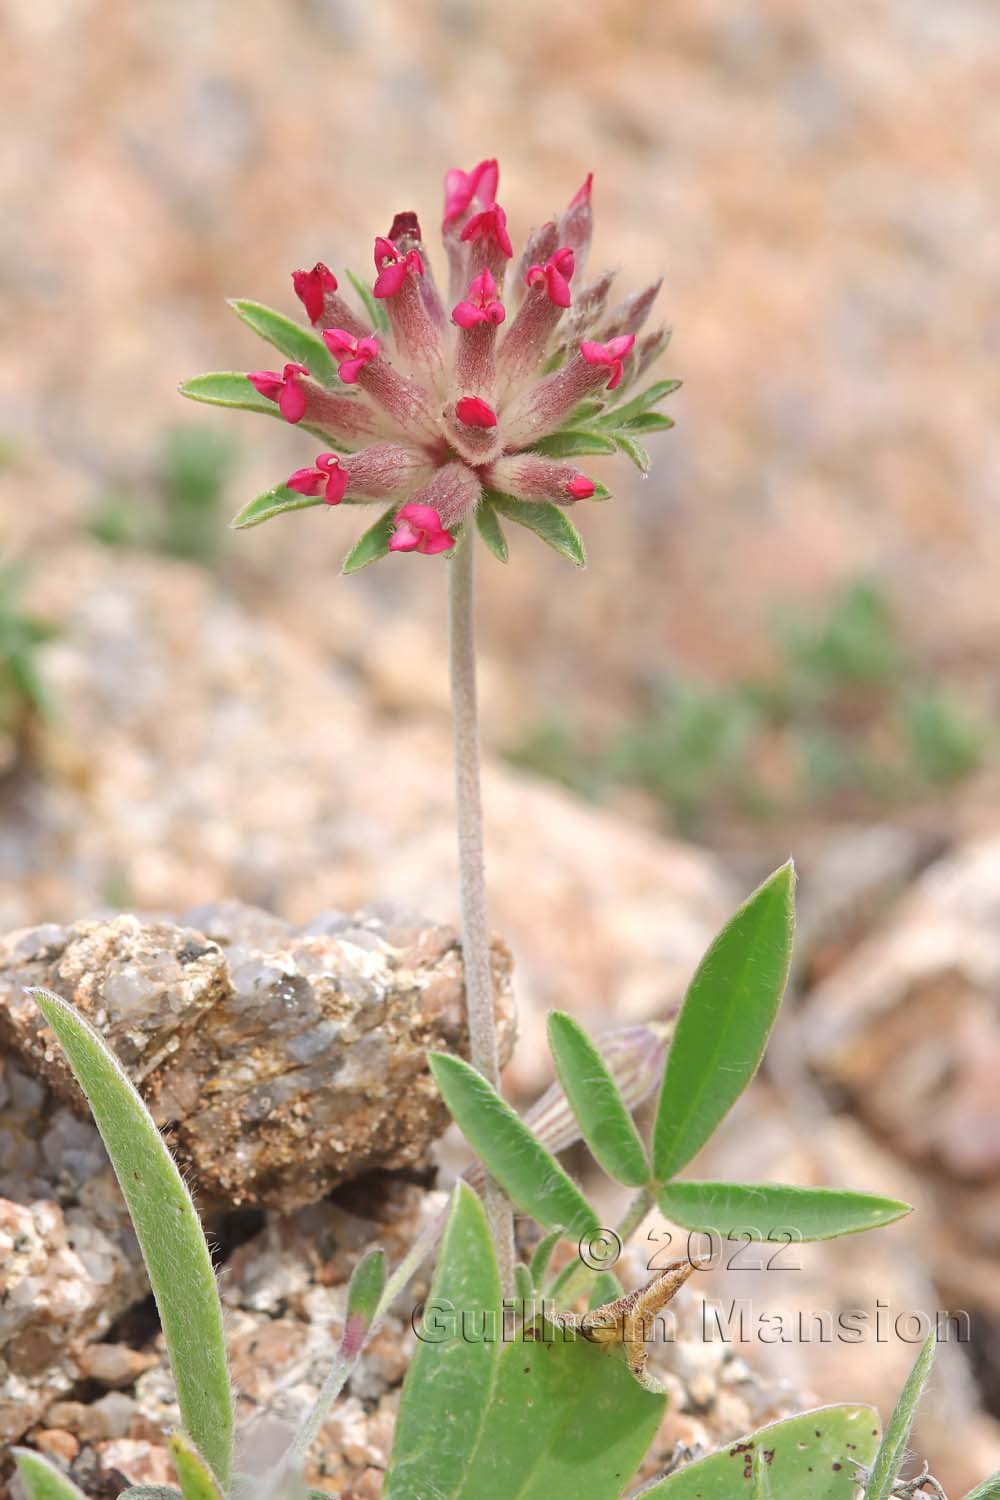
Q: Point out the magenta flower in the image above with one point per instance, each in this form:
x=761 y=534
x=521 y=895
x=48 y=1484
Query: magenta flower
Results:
x=467 y=404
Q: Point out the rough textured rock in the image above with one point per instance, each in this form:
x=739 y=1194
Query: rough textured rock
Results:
x=909 y=1024
x=284 y=1060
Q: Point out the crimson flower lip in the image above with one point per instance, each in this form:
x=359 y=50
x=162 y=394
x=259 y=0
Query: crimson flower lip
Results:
x=441 y=405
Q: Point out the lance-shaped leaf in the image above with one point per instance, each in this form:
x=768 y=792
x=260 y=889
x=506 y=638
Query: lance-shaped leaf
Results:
x=724 y=1024
x=550 y=522
x=295 y=342
x=193 y=1474
x=605 y=1124
x=519 y=1162
x=491 y=531
x=570 y=442
x=167 y=1228
x=633 y=450
x=892 y=1451
x=273 y=503
x=650 y=421
x=372 y=544
x=41 y=1479
x=450 y=1378
x=813 y=1456
x=228 y=388
x=621 y=416
x=774 y=1211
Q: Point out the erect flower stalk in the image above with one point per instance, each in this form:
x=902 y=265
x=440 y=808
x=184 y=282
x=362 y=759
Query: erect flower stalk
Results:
x=454 y=413
x=472 y=873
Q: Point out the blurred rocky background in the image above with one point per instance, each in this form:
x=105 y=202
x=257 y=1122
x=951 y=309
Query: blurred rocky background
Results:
x=785 y=642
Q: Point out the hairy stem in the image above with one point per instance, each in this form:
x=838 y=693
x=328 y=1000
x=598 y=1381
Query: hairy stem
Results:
x=475 y=926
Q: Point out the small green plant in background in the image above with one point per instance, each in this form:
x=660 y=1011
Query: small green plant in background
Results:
x=23 y=695
x=181 y=515
x=846 y=714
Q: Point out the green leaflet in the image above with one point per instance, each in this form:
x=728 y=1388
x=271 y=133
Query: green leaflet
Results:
x=508 y=1150
x=988 y=1490
x=543 y=1254
x=774 y=1211
x=566 y=1419
x=605 y=1124
x=633 y=450
x=450 y=1378
x=296 y=343
x=231 y=388
x=491 y=531
x=372 y=544
x=524 y=1286
x=722 y=1030
x=276 y=502
x=167 y=1228
x=194 y=1475
x=569 y=442
x=622 y=416
x=550 y=522
x=810 y=1460
x=41 y=1479
x=892 y=1451
x=650 y=421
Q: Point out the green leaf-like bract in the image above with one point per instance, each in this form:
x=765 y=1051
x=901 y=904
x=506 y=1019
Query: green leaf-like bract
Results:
x=194 y=1475
x=775 y=1211
x=633 y=450
x=888 y=1460
x=450 y=1378
x=550 y=522
x=491 y=531
x=372 y=544
x=296 y=343
x=570 y=442
x=167 y=1228
x=375 y=309
x=273 y=503
x=724 y=1024
x=621 y=416
x=810 y=1460
x=228 y=388
x=988 y=1490
x=41 y=1479
x=605 y=1124
x=508 y=1150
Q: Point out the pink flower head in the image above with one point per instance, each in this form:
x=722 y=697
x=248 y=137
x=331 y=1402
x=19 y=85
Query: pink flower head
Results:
x=475 y=412
x=580 y=487
x=461 y=189
x=327 y=475
x=350 y=353
x=481 y=305
x=283 y=388
x=393 y=268
x=311 y=288
x=554 y=276
x=491 y=224
x=611 y=354
x=419 y=529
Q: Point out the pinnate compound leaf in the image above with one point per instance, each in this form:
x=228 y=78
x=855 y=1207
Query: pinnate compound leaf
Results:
x=724 y=1024
x=491 y=531
x=571 y=442
x=193 y=1474
x=296 y=343
x=450 y=1379
x=372 y=544
x=605 y=1124
x=774 y=1211
x=41 y=1479
x=892 y=1451
x=167 y=1228
x=550 y=522
x=532 y=1178
x=811 y=1460
x=275 y=502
